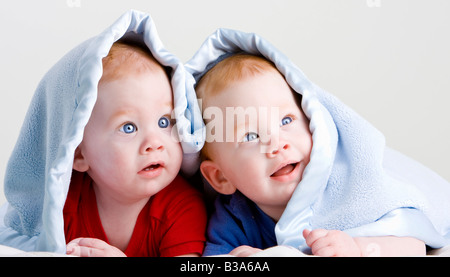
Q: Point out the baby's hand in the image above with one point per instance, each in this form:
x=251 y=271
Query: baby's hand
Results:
x=331 y=243
x=244 y=251
x=90 y=247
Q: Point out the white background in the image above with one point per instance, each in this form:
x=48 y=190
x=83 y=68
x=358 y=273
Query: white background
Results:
x=387 y=59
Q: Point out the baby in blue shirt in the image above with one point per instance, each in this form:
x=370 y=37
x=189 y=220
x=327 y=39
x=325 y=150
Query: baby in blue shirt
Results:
x=258 y=145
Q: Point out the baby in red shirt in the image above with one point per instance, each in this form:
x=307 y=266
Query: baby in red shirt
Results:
x=126 y=197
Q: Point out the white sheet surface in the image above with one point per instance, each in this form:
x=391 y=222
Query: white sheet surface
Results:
x=276 y=251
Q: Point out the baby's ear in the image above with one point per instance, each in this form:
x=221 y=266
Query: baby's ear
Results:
x=79 y=162
x=214 y=175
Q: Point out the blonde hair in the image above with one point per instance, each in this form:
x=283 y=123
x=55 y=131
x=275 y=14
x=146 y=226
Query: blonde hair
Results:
x=125 y=59
x=232 y=69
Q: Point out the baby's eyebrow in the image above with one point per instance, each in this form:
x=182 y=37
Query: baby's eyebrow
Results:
x=168 y=108
x=121 y=113
x=239 y=126
x=169 y=104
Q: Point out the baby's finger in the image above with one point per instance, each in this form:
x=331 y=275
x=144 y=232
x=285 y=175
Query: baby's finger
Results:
x=244 y=251
x=319 y=244
x=72 y=249
x=84 y=251
x=93 y=243
x=75 y=241
x=315 y=235
x=305 y=233
x=327 y=251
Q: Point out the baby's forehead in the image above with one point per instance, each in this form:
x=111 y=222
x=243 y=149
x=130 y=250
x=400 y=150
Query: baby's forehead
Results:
x=261 y=88
x=220 y=87
x=126 y=59
x=139 y=90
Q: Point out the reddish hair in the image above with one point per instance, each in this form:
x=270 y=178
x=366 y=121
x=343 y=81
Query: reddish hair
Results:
x=125 y=59
x=232 y=69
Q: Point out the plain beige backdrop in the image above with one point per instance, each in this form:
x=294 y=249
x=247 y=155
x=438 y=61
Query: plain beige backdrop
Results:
x=387 y=59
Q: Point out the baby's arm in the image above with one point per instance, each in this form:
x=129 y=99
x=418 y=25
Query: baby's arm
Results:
x=90 y=247
x=337 y=243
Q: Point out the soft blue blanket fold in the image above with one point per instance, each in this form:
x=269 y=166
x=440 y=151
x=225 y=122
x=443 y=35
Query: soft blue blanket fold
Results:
x=39 y=170
x=353 y=182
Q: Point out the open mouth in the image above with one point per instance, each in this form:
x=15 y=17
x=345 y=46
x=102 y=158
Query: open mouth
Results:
x=284 y=170
x=152 y=167
x=152 y=170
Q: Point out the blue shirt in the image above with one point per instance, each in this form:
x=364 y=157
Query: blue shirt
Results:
x=238 y=221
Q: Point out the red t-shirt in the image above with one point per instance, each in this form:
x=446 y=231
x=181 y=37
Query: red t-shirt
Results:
x=172 y=222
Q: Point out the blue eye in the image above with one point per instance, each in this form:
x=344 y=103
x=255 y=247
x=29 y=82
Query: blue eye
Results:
x=128 y=128
x=250 y=137
x=286 y=120
x=163 y=122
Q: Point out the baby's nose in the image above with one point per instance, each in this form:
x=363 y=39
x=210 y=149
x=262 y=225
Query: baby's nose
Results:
x=151 y=144
x=281 y=147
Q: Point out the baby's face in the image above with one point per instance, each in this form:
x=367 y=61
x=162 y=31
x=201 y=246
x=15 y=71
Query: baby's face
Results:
x=128 y=141
x=266 y=140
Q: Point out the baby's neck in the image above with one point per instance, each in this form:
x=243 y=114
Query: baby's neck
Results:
x=273 y=212
x=118 y=218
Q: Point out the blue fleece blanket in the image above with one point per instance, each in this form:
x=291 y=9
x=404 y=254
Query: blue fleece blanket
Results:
x=39 y=170
x=353 y=181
